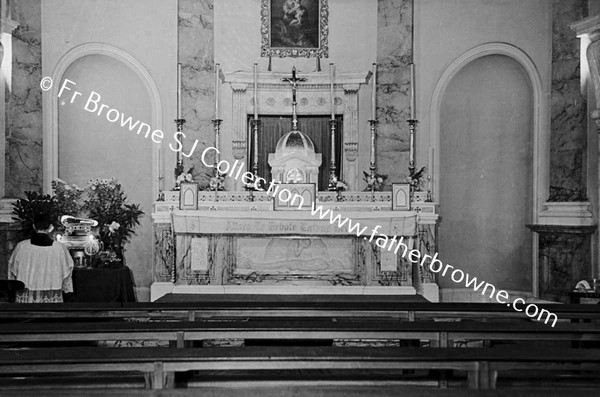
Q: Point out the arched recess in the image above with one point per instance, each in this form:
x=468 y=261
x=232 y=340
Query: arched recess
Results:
x=539 y=138
x=51 y=103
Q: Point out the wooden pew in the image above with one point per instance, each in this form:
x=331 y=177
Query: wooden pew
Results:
x=272 y=306
x=481 y=364
x=277 y=389
x=440 y=334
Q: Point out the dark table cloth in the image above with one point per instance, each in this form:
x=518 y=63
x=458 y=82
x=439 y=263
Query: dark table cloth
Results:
x=102 y=285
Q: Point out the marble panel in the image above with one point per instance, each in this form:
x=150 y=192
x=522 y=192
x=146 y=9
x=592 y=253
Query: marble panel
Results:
x=564 y=259
x=294 y=256
x=24 y=108
x=196 y=53
x=164 y=252
x=568 y=114
x=394 y=54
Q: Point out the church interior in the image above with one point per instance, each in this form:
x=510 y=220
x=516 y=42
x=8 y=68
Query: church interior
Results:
x=301 y=197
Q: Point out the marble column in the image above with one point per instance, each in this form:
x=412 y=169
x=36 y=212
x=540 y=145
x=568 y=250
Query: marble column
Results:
x=24 y=103
x=394 y=54
x=7 y=26
x=589 y=28
x=196 y=53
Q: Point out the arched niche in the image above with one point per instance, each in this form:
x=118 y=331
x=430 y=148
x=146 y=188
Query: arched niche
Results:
x=539 y=129
x=486 y=172
x=51 y=103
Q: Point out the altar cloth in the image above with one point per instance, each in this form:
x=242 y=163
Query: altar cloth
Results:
x=390 y=223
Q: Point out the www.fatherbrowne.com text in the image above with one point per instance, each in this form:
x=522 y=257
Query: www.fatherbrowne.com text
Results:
x=394 y=243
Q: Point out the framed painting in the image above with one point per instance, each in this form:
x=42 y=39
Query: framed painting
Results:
x=400 y=196
x=188 y=196
x=294 y=28
x=294 y=196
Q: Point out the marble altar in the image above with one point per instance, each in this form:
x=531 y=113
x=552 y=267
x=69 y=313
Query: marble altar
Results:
x=234 y=245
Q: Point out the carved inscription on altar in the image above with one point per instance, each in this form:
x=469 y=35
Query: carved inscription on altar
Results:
x=255 y=227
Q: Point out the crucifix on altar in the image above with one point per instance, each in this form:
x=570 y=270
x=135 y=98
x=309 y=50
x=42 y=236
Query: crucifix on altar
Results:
x=294 y=83
x=295 y=160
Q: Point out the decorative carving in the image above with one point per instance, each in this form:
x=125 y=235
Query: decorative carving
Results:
x=239 y=121
x=164 y=252
x=351 y=124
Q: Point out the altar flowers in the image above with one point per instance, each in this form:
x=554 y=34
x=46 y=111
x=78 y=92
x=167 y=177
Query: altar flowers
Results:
x=102 y=200
x=374 y=182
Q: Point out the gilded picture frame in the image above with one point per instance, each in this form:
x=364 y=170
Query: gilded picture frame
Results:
x=294 y=28
x=400 y=196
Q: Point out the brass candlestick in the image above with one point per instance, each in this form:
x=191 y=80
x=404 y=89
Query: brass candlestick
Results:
x=179 y=123
x=412 y=125
x=255 y=127
x=332 y=168
x=217 y=126
x=373 y=166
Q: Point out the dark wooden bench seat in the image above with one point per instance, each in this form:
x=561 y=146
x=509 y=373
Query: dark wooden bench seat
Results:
x=310 y=390
x=481 y=364
x=273 y=306
x=439 y=333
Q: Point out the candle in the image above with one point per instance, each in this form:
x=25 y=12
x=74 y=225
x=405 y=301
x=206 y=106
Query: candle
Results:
x=178 y=91
x=216 y=91
x=374 y=91
x=412 y=92
x=331 y=91
x=256 y=91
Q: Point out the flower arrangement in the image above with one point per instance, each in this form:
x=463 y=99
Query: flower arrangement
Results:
x=374 y=182
x=182 y=176
x=26 y=209
x=68 y=197
x=102 y=200
x=417 y=180
x=217 y=182
x=106 y=202
x=341 y=186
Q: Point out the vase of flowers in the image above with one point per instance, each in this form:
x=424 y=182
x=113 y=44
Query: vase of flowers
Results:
x=106 y=202
x=374 y=181
x=102 y=200
x=182 y=176
x=217 y=183
x=417 y=180
x=26 y=209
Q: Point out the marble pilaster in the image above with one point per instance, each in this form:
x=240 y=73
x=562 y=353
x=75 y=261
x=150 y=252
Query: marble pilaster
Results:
x=196 y=53
x=568 y=114
x=24 y=107
x=394 y=54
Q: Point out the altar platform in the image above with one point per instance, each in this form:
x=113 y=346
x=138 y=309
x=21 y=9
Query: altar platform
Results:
x=236 y=243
